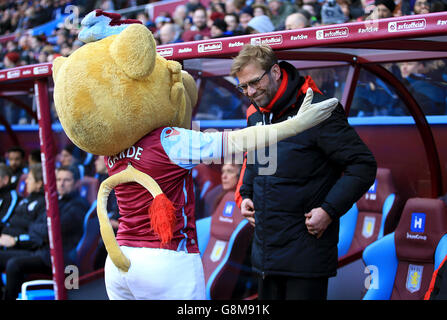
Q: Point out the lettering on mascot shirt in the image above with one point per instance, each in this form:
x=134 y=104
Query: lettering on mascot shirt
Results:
x=166 y=154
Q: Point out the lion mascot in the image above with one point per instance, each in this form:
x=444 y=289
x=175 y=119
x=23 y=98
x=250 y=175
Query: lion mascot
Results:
x=115 y=96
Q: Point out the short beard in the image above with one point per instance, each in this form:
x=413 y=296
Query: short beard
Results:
x=269 y=93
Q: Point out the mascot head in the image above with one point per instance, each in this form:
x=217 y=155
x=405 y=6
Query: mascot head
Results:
x=116 y=89
x=109 y=94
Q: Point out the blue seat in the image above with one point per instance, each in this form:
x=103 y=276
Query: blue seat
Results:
x=347 y=228
x=86 y=248
x=224 y=240
x=402 y=262
x=88 y=188
x=371 y=217
x=39 y=294
x=21 y=185
x=203 y=227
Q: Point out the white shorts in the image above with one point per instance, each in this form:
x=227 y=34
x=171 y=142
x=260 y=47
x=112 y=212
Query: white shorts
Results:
x=156 y=274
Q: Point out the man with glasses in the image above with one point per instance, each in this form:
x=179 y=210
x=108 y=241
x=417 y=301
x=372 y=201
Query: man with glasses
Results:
x=296 y=210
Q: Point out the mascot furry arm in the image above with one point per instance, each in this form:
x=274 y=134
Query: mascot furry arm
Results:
x=116 y=90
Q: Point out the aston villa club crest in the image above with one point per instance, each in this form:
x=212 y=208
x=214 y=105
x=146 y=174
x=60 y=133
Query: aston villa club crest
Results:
x=368 y=226
x=414 y=277
x=218 y=250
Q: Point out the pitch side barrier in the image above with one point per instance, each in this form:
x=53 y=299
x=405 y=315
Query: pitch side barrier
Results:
x=36 y=79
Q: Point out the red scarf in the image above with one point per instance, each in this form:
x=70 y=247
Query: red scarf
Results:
x=308 y=83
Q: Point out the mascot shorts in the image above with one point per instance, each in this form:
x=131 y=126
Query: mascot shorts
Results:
x=156 y=274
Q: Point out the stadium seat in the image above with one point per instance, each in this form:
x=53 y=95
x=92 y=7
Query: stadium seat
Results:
x=206 y=178
x=21 y=186
x=371 y=216
x=88 y=188
x=224 y=249
x=209 y=200
x=86 y=248
x=36 y=294
x=402 y=262
x=12 y=205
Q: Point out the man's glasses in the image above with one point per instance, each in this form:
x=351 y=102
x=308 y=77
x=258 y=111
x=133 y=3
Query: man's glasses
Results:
x=242 y=87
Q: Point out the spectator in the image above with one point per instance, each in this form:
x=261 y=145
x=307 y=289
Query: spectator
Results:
x=296 y=21
x=162 y=19
x=236 y=6
x=331 y=13
x=280 y=10
x=179 y=15
x=421 y=7
x=245 y=16
x=36 y=256
x=16 y=161
x=187 y=24
x=34 y=157
x=232 y=21
x=383 y=9
x=67 y=158
x=260 y=9
x=8 y=195
x=11 y=59
x=215 y=11
x=313 y=7
x=345 y=6
x=439 y=6
x=27 y=211
x=199 y=30
x=192 y=5
x=260 y=24
x=230 y=176
x=430 y=94
x=170 y=33
x=219 y=29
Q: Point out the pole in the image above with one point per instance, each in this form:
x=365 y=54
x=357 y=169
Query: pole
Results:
x=48 y=150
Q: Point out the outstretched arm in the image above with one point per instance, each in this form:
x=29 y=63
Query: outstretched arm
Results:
x=188 y=148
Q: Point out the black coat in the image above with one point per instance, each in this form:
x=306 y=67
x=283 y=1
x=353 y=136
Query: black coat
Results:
x=72 y=210
x=8 y=201
x=309 y=168
x=24 y=214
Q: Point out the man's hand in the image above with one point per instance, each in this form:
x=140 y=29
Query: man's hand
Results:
x=317 y=221
x=248 y=211
x=7 y=241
